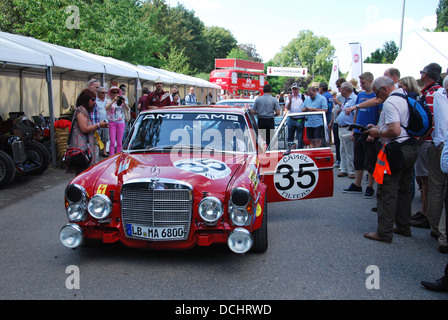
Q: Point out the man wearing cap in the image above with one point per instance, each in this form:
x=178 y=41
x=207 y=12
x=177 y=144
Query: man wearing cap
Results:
x=295 y=124
x=158 y=98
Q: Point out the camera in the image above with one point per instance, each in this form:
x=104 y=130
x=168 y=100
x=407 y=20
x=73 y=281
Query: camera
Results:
x=120 y=101
x=359 y=127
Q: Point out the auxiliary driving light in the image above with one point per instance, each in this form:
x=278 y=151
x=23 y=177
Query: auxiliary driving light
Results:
x=240 y=241
x=71 y=236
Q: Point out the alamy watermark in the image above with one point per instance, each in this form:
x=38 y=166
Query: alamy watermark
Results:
x=373 y=280
x=73 y=280
x=72 y=22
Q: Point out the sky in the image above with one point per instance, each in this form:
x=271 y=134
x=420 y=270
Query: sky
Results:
x=271 y=25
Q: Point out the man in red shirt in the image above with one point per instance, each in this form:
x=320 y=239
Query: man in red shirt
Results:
x=158 y=98
x=429 y=77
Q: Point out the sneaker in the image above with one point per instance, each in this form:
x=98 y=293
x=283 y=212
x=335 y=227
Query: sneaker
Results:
x=419 y=220
x=370 y=193
x=353 y=189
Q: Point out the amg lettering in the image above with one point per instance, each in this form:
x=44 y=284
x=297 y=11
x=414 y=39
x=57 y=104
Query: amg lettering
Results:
x=154 y=116
x=212 y=116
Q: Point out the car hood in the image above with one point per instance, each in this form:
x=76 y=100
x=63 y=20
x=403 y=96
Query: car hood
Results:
x=210 y=173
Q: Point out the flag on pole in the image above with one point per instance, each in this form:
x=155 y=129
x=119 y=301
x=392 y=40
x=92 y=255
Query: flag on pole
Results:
x=356 y=68
x=334 y=74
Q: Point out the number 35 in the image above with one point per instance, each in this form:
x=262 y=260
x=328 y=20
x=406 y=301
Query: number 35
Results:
x=288 y=175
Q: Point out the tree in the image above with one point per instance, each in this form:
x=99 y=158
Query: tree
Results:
x=115 y=28
x=237 y=53
x=307 y=51
x=220 y=42
x=386 y=55
x=442 y=16
x=251 y=52
x=177 y=61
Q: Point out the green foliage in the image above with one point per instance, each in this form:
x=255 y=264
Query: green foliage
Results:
x=115 y=28
x=442 y=16
x=307 y=51
x=237 y=53
x=177 y=61
x=387 y=54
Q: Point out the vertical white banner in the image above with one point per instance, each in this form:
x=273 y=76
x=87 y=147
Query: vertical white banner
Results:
x=356 y=69
x=334 y=74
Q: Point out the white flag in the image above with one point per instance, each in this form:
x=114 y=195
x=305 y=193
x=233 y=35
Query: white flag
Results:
x=334 y=74
x=356 y=69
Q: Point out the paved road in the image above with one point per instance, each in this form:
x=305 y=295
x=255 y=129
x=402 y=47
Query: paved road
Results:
x=316 y=251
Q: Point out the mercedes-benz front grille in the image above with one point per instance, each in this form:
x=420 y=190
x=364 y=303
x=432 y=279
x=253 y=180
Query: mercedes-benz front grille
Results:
x=158 y=203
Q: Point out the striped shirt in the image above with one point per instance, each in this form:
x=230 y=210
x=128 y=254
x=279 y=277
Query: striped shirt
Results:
x=428 y=94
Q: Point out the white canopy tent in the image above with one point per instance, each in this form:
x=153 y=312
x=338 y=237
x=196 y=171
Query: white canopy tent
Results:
x=377 y=69
x=421 y=49
x=21 y=53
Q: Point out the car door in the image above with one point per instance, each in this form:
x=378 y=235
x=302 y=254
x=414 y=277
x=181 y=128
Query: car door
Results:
x=294 y=172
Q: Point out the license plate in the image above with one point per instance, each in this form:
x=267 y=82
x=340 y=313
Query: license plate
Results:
x=155 y=233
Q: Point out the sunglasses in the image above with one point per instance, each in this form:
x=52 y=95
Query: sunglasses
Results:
x=102 y=92
x=114 y=92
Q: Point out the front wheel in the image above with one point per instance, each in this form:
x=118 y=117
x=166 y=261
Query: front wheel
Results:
x=40 y=155
x=7 y=169
x=260 y=235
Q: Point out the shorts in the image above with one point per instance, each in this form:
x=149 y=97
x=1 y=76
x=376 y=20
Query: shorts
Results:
x=421 y=165
x=365 y=153
x=315 y=133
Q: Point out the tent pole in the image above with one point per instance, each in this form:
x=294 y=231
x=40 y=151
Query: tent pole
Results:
x=137 y=87
x=51 y=108
x=402 y=25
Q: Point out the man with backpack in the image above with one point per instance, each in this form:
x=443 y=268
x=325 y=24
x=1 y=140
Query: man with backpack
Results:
x=394 y=194
x=429 y=77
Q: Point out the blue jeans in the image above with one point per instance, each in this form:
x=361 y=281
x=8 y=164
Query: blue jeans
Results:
x=295 y=128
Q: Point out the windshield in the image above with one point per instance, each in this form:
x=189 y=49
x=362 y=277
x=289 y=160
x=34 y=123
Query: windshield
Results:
x=213 y=131
x=242 y=103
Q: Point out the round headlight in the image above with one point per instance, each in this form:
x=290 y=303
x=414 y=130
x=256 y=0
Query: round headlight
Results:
x=76 y=212
x=210 y=209
x=71 y=236
x=75 y=193
x=240 y=197
x=99 y=206
x=240 y=240
x=239 y=217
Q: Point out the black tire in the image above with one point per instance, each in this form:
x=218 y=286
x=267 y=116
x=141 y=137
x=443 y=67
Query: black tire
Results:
x=7 y=169
x=36 y=151
x=260 y=235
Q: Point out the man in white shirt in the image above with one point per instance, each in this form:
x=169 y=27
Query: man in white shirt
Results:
x=190 y=99
x=295 y=124
x=436 y=178
x=394 y=195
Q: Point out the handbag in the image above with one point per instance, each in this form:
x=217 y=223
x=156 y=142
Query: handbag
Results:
x=75 y=157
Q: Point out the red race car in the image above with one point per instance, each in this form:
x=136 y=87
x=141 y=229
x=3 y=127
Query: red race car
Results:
x=194 y=176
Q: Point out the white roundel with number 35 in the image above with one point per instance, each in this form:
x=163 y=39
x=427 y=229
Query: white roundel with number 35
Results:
x=296 y=176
